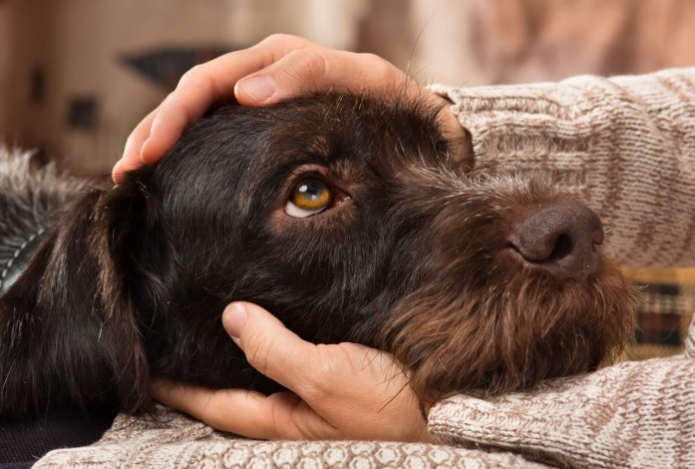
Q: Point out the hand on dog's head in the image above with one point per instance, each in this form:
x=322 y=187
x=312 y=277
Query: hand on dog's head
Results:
x=350 y=218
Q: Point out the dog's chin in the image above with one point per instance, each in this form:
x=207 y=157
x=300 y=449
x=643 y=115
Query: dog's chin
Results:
x=511 y=334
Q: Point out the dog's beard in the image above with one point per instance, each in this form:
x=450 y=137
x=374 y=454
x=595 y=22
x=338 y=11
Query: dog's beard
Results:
x=478 y=318
x=520 y=330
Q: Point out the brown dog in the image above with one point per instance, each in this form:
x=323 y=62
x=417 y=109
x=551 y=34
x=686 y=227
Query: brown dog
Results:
x=350 y=218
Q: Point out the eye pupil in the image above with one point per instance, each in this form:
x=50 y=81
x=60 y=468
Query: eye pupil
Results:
x=310 y=190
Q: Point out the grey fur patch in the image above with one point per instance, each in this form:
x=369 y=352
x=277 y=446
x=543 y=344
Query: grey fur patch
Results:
x=30 y=195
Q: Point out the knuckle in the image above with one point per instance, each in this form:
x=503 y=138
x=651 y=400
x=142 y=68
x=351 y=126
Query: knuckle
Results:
x=377 y=64
x=308 y=64
x=135 y=136
x=191 y=76
x=258 y=351
x=326 y=368
x=315 y=61
x=280 y=38
x=169 y=102
x=279 y=422
x=273 y=38
x=317 y=392
x=169 y=98
x=371 y=58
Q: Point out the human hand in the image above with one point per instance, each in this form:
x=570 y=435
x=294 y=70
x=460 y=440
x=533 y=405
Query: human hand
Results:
x=276 y=69
x=338 y=391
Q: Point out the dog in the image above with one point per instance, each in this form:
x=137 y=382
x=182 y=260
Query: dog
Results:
x=351 y=218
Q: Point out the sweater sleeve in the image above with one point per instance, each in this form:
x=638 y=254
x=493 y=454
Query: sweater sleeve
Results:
x=624 y=145
x=631 y=415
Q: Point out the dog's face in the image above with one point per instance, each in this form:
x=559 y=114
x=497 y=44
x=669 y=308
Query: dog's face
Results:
x=353 y=220
x=350 y=219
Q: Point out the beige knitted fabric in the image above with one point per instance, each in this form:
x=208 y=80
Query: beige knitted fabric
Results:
x=631 y=415
x=626 y=146
x=175 y=441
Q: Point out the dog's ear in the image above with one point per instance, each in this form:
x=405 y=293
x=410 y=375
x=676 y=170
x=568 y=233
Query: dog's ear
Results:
x=122 y=243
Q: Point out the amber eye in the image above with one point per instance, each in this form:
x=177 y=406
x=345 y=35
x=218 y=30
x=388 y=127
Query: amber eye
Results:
x=309 y=197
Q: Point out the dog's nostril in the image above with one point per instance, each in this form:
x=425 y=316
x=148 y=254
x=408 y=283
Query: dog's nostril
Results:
x=561 y=239
x=563 y=247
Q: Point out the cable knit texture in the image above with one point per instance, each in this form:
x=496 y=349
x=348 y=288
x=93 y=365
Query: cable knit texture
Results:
x=172 y=440
x=624 y=145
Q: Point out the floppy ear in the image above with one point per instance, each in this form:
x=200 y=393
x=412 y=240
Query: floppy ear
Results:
x=127 y=218
x=69 y=332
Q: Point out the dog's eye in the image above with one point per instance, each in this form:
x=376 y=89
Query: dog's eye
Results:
x=308 y=197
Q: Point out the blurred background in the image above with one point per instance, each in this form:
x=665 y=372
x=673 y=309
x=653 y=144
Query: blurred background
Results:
x=77 y=75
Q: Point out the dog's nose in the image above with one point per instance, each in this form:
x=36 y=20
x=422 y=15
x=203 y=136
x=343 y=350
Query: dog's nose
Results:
x=561 y=239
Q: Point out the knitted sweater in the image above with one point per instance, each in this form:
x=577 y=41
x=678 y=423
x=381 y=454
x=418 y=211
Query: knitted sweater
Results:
x=626 y=146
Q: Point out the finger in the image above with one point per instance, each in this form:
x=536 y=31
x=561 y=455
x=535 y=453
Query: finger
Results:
x=117 y=173
x=227 y=410
x=245 y=413
x=306 y=71
x=124 y=166
x=271 y=348
x=131 y=152
x=206 y=84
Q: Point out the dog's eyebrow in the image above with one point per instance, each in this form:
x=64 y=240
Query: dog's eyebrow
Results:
x=272 y=168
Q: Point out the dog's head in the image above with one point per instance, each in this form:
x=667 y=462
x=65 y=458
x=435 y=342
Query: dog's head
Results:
x=351 y=219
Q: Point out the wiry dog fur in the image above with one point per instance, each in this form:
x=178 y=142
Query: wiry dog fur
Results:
x=410 y=257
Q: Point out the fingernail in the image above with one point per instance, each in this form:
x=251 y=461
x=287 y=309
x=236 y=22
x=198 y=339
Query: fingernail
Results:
x=259 y=88
x=233 y=318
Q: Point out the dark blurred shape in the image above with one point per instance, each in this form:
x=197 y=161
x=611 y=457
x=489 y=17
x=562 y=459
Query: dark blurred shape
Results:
x=83 y=113
x=38 y=86
x=23 y=443
x=166 y=66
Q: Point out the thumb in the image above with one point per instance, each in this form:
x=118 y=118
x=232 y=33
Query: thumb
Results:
x=270 y=348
